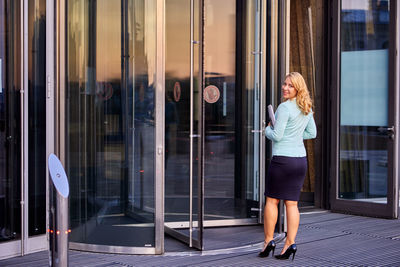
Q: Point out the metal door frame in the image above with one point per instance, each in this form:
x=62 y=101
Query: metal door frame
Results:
x=160 y=126
x=56 y=103
x=36 y=243
x=260 y=85
x=390 y=209
x=260 y=82
x=26 y=244
x=16 y=247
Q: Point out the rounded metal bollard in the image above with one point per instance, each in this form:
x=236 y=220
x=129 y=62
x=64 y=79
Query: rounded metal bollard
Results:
x=58 y=213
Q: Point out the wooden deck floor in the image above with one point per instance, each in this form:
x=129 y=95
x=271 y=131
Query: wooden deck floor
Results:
x=324 y=239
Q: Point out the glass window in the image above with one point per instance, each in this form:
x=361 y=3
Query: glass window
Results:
x=363 y=100
x=10 y=121
x=177 y=112
x=37 y=116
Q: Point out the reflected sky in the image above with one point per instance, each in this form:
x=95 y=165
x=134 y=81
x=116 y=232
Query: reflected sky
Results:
x=108 y=38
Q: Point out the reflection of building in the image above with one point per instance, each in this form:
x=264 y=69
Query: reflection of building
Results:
x=37 y=127
x=143 y=157
x=364 y=30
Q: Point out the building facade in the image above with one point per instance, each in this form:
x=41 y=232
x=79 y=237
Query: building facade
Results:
x=157 y=108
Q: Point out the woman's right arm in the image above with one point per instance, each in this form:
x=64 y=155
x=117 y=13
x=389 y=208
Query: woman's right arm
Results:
x=276 y=133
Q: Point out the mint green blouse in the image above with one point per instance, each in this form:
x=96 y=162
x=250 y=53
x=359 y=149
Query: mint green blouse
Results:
x=291 y=128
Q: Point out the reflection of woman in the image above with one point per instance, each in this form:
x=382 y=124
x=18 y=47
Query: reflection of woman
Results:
x=171 y=122
x=285 y=177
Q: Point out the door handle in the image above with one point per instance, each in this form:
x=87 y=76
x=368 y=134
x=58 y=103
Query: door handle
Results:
x=387 y=130
x=256 y=131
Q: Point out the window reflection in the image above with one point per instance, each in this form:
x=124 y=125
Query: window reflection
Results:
x=364 y=100
x=10 y=121
x=230 y=167
x=177 y=112
x=37 y=116
x=110 y=121
x=365 y=25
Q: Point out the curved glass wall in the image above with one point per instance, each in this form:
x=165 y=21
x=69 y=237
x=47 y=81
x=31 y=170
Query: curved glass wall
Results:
x=111 y=55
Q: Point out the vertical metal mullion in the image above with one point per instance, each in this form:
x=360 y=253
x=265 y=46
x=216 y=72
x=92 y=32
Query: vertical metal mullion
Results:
x=50 y=92
x=256 y=108
x=202 y=125
x=393 y=185
x=396 y=178
x=273 y=51
x=125 y=102
x=284 y=38
x=61 y=71
x=24 y=125
x=263 y=22
x=160 y=123
x=191 y=127
x=334 y=96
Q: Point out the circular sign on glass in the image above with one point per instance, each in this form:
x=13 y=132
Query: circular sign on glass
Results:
x=177 y=91
x=104 y=91
x=211 y=94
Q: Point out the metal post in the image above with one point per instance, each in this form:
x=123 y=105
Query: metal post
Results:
x=58 y=213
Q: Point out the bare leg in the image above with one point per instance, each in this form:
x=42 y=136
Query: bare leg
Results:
x=293 y=220
x=270 y=217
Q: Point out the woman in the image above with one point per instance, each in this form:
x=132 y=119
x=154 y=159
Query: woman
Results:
x=294 y=122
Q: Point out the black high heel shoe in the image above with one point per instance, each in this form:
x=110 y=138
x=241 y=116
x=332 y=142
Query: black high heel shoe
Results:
x=289 y=251
x=270 y=247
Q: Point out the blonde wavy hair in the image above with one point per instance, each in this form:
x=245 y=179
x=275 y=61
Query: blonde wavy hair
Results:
x=303 y=98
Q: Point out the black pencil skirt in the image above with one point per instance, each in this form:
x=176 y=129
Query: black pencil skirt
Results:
x=285 y=177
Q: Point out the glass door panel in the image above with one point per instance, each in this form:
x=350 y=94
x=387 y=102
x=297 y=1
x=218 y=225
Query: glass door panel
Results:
x=10 y=128
x=110 y=146
x=366 y=132
x=37 y=118
x=23 y=127
x=183 y=115
x=221 y=124
x=232 y=109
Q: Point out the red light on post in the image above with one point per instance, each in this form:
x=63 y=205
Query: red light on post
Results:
x=142 y=171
